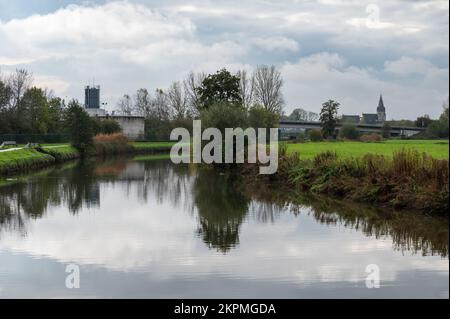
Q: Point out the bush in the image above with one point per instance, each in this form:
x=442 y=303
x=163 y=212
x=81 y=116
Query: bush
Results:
x=349 y=131
x=111 y=144
x=223 y=115
x=373 y=137
x=315 y=136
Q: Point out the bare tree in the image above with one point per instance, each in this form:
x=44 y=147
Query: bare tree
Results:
x=177 y=100
x=245 y=88
x=267 y=88
x=191 y=84
x=19 y=82
x=143 y=103
x=125 y=105
x=160 y=105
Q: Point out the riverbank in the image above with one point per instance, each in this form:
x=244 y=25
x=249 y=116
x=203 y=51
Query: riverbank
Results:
x=25 y=159
x=406 y=180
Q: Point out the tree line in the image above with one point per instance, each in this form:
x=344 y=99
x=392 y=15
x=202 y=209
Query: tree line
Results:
x=27 y=109
x=258 y=94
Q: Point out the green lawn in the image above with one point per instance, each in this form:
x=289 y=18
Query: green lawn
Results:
x=22 y=159
x=140 y=145
x=437 y=149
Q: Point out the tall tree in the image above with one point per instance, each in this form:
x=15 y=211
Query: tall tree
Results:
x=79 y=126
x=191 y=84
x=143 y=102
x=125 y=105
x=218 y=88
x=19 y=82
x=34 y=103
x=177 y=100
x=245 y=88
x=328 y=117
x=300 y=114
x=267 y=88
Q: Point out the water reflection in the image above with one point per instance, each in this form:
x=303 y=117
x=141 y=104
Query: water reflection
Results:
x=219 y=202
x=147 y=228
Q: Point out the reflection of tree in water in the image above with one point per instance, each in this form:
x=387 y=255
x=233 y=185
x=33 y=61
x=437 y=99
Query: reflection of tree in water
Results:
x=30 y=199
x=221 y=209
x=409 y=231
x=222 y=202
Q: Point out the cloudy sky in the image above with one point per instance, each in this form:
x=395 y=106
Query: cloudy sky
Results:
x=348 y=50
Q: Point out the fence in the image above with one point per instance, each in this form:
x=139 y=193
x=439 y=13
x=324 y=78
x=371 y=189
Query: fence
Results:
x=35 y=138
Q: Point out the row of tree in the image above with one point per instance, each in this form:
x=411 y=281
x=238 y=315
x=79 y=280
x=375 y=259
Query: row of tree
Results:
x=26 y=109
x=198 y=92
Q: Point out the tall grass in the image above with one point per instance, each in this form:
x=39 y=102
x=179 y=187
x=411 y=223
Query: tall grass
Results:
x=408 y=179
x=116 y=143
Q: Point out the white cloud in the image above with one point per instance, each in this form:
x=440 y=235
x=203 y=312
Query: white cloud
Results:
x=314 y=79
x=126 y=45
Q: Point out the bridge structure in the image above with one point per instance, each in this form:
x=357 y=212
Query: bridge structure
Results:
x=286 y=125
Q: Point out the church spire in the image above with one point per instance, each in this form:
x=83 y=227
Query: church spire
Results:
x=381 y=103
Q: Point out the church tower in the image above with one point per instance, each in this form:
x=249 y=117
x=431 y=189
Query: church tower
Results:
x=381 y=111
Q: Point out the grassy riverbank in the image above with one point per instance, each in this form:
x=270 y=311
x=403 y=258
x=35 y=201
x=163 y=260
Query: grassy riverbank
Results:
x=24 y=159
x=407 y=179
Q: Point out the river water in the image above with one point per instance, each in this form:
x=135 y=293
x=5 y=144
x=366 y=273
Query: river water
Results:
x=146 y=228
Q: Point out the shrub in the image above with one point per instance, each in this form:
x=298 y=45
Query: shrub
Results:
x=111 y=144
x=315 y=135
x=373 y=137
x=349 y=131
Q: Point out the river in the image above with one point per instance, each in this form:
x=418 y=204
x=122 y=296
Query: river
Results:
x=146 y=228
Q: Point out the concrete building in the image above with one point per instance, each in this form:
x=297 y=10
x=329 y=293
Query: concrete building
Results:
x=133 y=127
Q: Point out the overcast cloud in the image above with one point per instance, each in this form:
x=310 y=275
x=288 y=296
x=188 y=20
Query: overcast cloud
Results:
x=325 y=49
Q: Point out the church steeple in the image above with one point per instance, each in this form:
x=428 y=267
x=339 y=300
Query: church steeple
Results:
x=381 y=104
x=381 y=110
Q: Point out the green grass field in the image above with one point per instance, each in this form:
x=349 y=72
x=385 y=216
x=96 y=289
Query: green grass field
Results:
x=437 y=149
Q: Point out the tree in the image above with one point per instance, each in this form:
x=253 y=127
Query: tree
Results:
x=191 y=84
x=328 y=117
x=78 y=125
x=160 y=106
x=55 y=112
x=177 y=101
x=219 y=87
x=36 y=115
x=5 y=95
x=423 y=121
x=267 y=88
x=386 y=130
x=142 y=102
x=439 y=128
x=300 y=114
x=246 y=85
x=19 y=82
x=349 y=131
x=125 y=105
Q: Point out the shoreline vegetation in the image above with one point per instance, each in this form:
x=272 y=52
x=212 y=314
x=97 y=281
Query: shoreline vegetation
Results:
x=403 y=178
x=27 y=159
x=408 y=179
